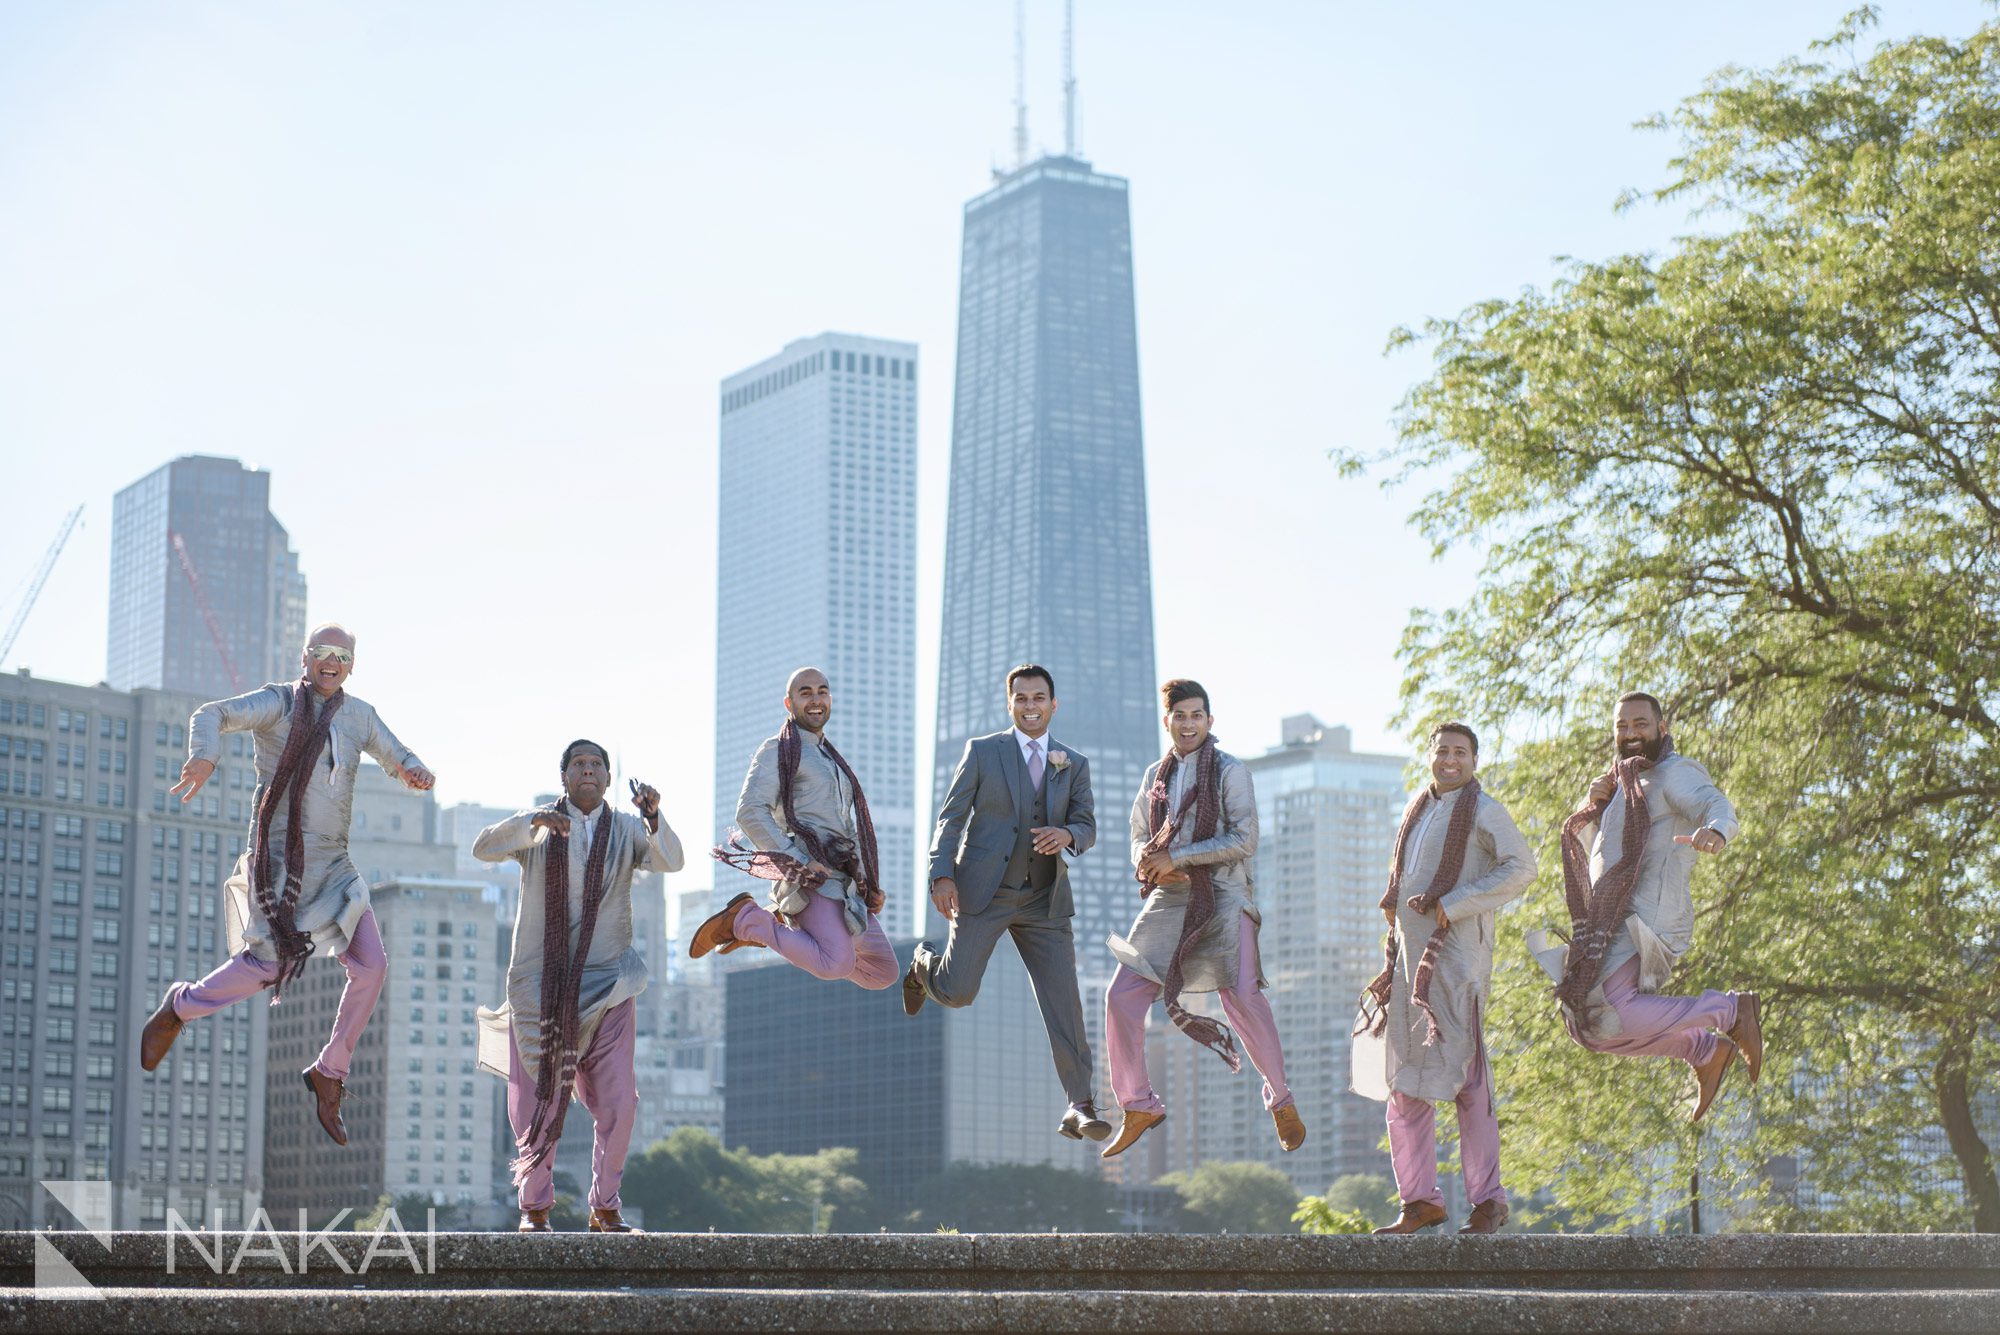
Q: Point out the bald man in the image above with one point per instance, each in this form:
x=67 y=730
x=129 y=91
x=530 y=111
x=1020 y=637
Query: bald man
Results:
x=803 y=823
x=294 y=891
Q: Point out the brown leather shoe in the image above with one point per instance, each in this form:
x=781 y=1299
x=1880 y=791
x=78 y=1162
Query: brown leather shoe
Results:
x=535 y=1221
x=607 y=1221
x=328 y=1092
x=160 y=1031
x=718 y=929
x=1136 y=1124
x=1748 y=1033
x=1486 y=1217
x=1708 y=1076
x=1291 y=1127
x=1416 y=1216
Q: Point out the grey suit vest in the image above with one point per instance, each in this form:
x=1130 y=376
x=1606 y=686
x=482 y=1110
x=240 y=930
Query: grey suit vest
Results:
x=1026 y=867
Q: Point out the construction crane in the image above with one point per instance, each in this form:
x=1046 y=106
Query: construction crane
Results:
x=207 y=612
x=35 y=584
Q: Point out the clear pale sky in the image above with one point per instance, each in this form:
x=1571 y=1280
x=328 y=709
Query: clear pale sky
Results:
x=464 y=276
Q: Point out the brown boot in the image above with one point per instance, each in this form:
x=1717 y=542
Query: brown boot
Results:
x=718 y=929
x=327 y=1093
x=1291 y=1127
x=535 y=1221
x=1136 y=1124
x=160 y=1031
x=1708 y=1076
x=607 y=1221
x=1748 y=1034
x=1415 y=1218
x=1486 y=1217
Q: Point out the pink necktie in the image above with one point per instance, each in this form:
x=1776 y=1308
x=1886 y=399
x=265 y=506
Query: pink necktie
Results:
x=1035 y=764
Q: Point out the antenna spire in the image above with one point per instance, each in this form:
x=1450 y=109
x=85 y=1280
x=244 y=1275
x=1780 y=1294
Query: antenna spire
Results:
x=1069 y=78
x=1020 y=83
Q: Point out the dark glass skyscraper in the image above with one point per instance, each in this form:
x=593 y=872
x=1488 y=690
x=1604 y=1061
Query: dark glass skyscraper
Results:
x=1046 y=555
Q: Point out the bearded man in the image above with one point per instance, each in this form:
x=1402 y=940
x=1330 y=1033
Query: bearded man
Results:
x=1458 y=858
x=1194 y=833
x=294 y=891
x=806 y=821
x=1631 y=915
x=568 y=1021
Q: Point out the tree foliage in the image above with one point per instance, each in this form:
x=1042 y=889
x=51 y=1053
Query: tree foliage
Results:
x=1228 y=1197
x=1014 y=1198
x=1758 y=475
x=690 y=1183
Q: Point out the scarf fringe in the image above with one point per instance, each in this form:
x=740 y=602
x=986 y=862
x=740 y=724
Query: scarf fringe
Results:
x=1207 y=1031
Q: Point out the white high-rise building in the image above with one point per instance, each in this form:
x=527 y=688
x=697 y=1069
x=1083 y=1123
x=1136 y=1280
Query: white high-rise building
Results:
x=817 y=566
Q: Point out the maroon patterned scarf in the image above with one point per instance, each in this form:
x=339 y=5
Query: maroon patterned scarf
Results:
x=562 y=983
x=304 y=741
x=1204 y=800
x=1597 y=912
x=1457 y=836
x=856 y=857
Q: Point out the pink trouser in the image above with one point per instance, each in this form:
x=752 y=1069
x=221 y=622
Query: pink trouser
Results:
x=244 y=975
x=1661 y=1026
x=1413 y=1140
x=609 y=1088
x=1131 y=995
x=820 y=943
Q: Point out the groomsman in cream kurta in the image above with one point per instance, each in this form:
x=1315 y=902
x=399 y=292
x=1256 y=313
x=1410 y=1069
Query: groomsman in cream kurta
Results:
x=1458 y=859
x=568 y=1023
x=1629 y=850
x=1194 y=836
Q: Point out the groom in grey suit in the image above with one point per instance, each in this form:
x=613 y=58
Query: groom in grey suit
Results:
x=1016 y=803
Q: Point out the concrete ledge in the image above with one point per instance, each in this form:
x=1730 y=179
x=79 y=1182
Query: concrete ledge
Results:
x=318 y=1311
x=1126 y=1262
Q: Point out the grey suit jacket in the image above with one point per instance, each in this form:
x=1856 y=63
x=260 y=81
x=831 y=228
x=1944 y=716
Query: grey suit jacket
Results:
x=983 y=820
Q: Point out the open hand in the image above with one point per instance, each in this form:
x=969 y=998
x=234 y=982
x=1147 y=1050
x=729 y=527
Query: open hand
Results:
x=944 y=897
x=555 y=822
x=193 y=775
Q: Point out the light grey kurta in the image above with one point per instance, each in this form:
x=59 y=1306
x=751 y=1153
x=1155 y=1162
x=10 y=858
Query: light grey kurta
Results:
x=1148 y=949
x=614 y=970
x=333 y=896
x=823 y=800
x=1680 y=799
x=1498 y=868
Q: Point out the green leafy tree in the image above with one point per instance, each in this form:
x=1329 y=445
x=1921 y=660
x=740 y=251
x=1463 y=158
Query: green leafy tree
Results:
x=1758 y=475
x=1315 y=1215
x=1366 y=1193
x=689 y=1182
x=1224 y=1197
x=1014 y=1198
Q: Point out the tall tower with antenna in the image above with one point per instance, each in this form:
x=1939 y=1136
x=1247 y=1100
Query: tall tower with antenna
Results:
x=1046 y=549
x=1020 y=84
x=1069 y=78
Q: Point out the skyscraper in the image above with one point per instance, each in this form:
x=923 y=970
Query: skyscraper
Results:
x=206 y=592
x=817 y=566
x=1046 y=555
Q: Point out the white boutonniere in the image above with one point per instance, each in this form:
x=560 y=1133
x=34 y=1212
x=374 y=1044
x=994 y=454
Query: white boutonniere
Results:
x=1059 y=759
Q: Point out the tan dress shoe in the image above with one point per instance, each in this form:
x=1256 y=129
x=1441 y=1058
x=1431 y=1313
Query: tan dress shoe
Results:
x=1291 y=1127
x=1486 y=1217
x=1136 y=1124
x=1748 y=1034
x=718 y=929
x=1708 y=1076
x=160 y=1031
x=1416 y=1216
x=535 y=1221
x=607 y=1221
x=327 y=1094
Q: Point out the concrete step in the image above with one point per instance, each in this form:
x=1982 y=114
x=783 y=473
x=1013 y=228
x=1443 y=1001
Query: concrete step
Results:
x=1021 y=1262
x=1497 y=1311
